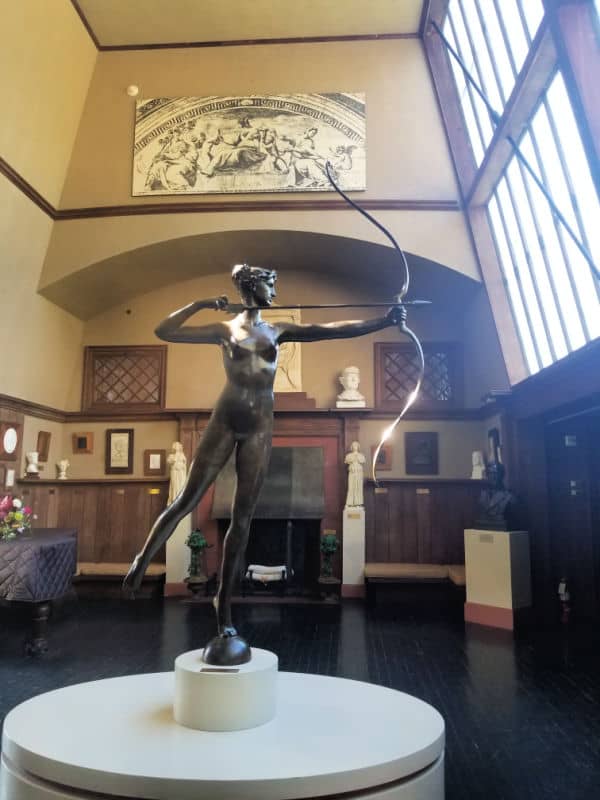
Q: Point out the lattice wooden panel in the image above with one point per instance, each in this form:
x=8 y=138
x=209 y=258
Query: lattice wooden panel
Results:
x=126 y=377
x=397 y=370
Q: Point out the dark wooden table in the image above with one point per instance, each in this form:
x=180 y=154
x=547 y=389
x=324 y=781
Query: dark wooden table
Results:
x=36 y=569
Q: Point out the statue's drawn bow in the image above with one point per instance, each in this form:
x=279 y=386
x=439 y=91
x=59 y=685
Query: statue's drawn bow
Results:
x=402 y=326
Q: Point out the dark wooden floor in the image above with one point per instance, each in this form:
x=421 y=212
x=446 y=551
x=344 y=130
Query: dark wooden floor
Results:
x=522 y=716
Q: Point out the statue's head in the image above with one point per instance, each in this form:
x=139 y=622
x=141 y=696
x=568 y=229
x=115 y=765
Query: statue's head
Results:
x=256 y=285
x=350 y=377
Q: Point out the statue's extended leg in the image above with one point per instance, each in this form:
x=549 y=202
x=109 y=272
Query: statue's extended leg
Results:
x=252 y=460
x=213 y=451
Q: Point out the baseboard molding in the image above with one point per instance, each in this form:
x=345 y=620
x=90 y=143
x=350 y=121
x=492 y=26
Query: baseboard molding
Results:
x=353 y=590
x=490 y=616
x=176 y=589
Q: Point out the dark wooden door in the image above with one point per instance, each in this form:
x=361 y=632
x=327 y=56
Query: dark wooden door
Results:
x=574 y=505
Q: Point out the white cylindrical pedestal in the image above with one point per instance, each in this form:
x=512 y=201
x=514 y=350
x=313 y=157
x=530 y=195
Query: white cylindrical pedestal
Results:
x=210 y=698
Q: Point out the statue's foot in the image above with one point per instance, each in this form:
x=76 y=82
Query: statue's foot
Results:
x=133 y=580
x=227 y=649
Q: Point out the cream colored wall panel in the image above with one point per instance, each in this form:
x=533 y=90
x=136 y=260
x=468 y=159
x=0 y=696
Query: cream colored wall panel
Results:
x=407 y=153
x=437 y=235
x=456 y=442
x=41 y=342
x=46 y=63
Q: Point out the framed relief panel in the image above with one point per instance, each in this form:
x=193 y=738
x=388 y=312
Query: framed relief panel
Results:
x=10 y=435
x=83 y=443
x=421 y=453
x=154 y=463
x=119 y=451
x=384 y=459
x=43 y=445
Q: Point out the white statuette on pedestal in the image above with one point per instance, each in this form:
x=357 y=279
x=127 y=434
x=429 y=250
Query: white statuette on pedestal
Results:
x=478 y=472
x=350 y=397
x=210 y=698
x=177 y=470
x=32 y=470
x=62 y=467
x=355 y=461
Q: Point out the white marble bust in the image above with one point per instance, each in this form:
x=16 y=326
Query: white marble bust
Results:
x=350 y=397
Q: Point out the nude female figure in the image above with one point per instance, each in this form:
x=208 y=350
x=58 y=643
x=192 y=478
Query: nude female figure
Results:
x=242 y=420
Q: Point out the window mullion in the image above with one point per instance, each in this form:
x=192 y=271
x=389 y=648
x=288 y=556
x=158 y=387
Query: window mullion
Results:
x=511 y=57
x=490 y=50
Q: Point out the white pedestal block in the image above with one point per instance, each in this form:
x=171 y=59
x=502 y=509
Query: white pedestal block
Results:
x=353 y=555
x=117 y=738
x=498 y=576
x=209 y=698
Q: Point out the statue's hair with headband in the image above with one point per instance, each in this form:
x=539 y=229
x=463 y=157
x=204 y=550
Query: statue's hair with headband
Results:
x=246 y=277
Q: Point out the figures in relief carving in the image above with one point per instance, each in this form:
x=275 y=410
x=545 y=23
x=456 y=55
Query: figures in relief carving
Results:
x=350 y=396
x=242 y=421
x=355 y=461
x=478 y=472
x=177 y=470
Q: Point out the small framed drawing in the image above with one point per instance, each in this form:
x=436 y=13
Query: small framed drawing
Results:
x=43 y=445
x=384 y=459
x=119 y=451
x=10 y=435
x=154 y=462
x=83 y=443
x=421 y=453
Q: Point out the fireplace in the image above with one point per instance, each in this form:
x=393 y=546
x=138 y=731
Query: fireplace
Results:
x=287 y=521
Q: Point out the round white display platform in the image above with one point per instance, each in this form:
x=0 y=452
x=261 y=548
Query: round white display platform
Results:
x=210 y=698
x=117 y=738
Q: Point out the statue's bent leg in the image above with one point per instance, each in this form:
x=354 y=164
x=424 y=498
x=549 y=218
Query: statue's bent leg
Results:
x=252 y=461
x=213 y=451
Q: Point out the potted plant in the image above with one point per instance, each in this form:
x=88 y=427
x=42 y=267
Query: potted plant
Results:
x=197 y=543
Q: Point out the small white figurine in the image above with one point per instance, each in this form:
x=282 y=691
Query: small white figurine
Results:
x=62 y=467
x=478 y=473
x=178 y=470
x=355 y=460
x=32 y=470
x=350 y=397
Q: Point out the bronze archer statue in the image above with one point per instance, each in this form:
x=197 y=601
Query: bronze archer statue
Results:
x=242 y=420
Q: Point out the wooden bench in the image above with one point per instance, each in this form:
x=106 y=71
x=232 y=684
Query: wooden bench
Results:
x=397 y=573
x=104 y=579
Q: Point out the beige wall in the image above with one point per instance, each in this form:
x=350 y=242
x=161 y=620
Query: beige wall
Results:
x=456 y=442
x=407 y=154
x=195 y=373
x=46 y=63
x=147 y=435
x=41 y=342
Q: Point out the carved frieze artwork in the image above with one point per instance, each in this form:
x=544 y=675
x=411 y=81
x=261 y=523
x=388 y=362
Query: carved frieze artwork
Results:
x=260 y=143
x=288 y=377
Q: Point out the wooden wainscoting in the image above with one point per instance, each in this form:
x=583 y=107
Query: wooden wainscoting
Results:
x=419 y=521
x=112 y=517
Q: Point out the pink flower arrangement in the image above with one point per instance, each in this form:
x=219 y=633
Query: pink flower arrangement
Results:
x=15 y=517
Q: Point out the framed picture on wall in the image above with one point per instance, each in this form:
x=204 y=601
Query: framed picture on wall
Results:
x=384 y=459
x=154 y=463
x=43 y=445
x=83 y=443
x=421 y=451
x=119 y=451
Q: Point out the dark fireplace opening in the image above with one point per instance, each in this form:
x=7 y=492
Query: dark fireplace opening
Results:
x=279 y=542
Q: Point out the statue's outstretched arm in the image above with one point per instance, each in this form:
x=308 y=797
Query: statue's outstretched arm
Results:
x=172 y=328
x=291 y=332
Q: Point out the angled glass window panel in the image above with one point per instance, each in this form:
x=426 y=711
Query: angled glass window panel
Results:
x=577 y=165
x=533 y=12
x=512 y=286
x=485 y=68
x=475 y=135
x=565 y=286
x=500 y=53
x=539 y=274
x=556 y=183
x=589 y=299
x=466 y=54
x=517 y=37
x=529 y=295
